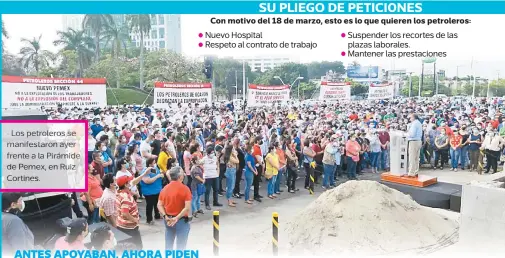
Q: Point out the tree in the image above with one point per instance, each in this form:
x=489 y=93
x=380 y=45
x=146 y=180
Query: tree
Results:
x=80 y=43
x=140 y=24
x=317 y=69
x=126 y=71
x=224 y=73
x=117 y=37
x=169 y=66
x=32 y=56
x=96 y=23
x=11 y=65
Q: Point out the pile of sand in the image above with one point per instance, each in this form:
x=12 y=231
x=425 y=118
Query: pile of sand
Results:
x=367 y=217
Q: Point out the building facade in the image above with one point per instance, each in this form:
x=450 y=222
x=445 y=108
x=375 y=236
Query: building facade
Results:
x=263 y=64
x=165 y=30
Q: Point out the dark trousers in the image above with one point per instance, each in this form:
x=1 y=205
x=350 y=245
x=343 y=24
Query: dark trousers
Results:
x=152 y=203
x=291 y=178
x=309 y=173
x=135 y=239
x=492 y=160
x=222 y=171
x=256 y=182
x=237 y=180
x=214 y=183
x=189 y=180
x=360 y=163
x=443 y=156
x=76 y=208
x=351 y=168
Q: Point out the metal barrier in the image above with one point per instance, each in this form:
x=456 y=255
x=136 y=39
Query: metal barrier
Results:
x=215 y=227
x=275 y=233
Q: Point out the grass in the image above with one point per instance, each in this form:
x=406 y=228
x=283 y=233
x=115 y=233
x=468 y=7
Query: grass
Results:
x=128 y=96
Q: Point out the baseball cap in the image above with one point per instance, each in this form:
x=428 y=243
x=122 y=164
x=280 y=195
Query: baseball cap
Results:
x=121 y=181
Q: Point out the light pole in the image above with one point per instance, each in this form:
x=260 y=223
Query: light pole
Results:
x=298 y=78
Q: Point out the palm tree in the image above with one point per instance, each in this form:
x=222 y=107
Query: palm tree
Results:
x=96 y=23
x=117 y=37
x=80 y=43
x=33 y=56
x=140 y=24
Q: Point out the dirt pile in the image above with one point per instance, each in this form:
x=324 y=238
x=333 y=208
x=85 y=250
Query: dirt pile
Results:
x=367 y=217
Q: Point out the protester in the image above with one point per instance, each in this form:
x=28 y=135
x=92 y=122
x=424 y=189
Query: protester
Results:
x=151 y=185
x=128 y=216
x=103 y=238
x=175 y=207
x=197 y=185
x=107 y=201
x=15 y=234
x=231 y=161
x=211 y=176
x=76 y=233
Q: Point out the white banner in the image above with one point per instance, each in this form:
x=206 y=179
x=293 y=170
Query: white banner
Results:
x=33 y=93
x=335 y=91
x=381 y=91
x=259 y=95
x=171 y=94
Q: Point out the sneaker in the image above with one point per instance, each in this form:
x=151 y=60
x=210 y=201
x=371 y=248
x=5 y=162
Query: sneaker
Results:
x=257 y=199
x=455 y=170
x=217 y=205
x=208 y=208
x=220 y=194
x=150 y=223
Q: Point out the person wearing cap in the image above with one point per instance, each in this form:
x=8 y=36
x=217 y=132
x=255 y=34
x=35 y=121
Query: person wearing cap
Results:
x=174 y=205
x=103 y=238
x=128 y=216
x=15 y=233
x=77 y=231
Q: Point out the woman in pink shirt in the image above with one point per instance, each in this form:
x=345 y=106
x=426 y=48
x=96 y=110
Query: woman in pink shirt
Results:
x=74 y=240
x=352 y=149
x=186 y=157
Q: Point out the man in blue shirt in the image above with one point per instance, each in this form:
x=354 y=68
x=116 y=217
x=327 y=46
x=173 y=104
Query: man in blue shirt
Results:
x=415 y=135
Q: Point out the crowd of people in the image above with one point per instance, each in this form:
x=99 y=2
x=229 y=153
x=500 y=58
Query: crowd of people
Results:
x=175 y=159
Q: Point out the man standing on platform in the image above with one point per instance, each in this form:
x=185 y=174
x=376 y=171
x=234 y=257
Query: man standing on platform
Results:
x=415 y=134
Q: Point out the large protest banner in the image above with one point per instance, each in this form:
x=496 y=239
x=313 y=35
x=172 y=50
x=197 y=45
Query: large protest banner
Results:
x=33 y=93
x=170 y=94
x=381 y=91
x=259 y=95
x=335 y=91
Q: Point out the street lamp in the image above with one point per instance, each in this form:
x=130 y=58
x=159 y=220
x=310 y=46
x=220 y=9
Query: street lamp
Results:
x=298 y=78
x=279 y=78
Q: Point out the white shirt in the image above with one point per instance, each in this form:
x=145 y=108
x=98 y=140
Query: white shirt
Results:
x=210 y=167
x=91 y=143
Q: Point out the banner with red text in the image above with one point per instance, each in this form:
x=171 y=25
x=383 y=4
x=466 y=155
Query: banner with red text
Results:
x=335 y=91
x=381 y=91
x=259 y=95
x=33 y=93
x=171 y=94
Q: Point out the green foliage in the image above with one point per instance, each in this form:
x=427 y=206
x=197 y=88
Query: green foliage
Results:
x=123 y=71
x=128 y=96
